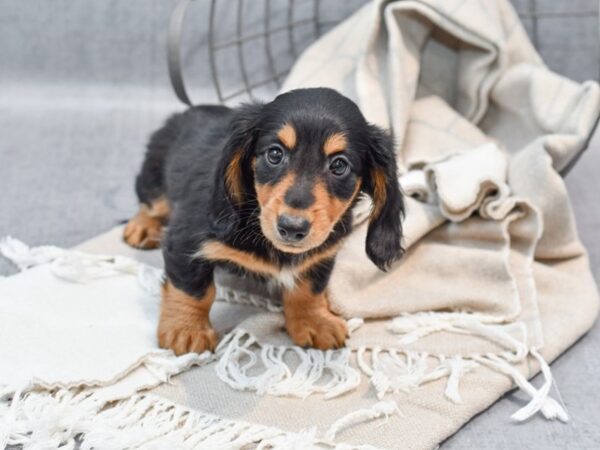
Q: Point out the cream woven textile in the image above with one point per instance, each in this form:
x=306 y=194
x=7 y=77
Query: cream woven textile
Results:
x=494 y=285
x=494 y=266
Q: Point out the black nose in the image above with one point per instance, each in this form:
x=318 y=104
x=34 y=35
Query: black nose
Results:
x=292 y=228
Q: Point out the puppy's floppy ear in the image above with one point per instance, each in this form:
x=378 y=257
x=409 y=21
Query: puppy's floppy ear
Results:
x=234 y=178
x=238 y=151
x=384 y=235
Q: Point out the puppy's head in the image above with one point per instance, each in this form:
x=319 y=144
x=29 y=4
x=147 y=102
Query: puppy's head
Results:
x=305 y=157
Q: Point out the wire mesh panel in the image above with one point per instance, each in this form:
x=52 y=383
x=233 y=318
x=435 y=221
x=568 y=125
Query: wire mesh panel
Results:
x=242 y=38
x=250 y=45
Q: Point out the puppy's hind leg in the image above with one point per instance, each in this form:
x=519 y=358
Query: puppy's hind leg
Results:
x=145 y=229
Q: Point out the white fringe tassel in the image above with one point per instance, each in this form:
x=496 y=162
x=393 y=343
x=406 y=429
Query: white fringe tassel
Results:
x=79 y=267
x=392 y=371
x=246 y=365
x=316 y=371
x=43 y=420
x=354 y=324
x=540 y=399
x=25 y=257
x=327 y=372
x=378 y=410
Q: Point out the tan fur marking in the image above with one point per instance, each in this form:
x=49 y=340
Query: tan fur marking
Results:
x=266 y=192
x=323 y=214
x=217 y=251
x=379 y=192
x=316 y=258
x=328 y=209
x=184 y=325
x=271 y=200
x=160 y=209
x=287 y=136
x=233 y=178
x=308 y=320
x=335 y=143
x=144 y=230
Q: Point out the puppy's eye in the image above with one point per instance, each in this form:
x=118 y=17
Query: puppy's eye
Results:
x=339 y=166
x=274 y=156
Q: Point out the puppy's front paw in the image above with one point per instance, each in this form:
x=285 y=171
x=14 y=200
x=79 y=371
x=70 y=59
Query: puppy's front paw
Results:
x=143 y=232
x=188 y=339
x=183 y=325
x=323 y=330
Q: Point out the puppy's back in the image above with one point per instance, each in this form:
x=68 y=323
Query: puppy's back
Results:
x=191 y=161
x=182 y=154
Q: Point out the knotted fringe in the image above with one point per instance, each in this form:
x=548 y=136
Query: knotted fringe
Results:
x=24 y=256
x=44 y=420
x=329 y=372
x=413 y=327
x=540 y=398
x=393 y=371
x=378 y=410
x=316 y=371
x=79 y=267
x=246 y=365
x=61 y=418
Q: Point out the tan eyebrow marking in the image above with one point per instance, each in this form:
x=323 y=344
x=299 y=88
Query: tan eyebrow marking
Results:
x=287 y=135
x=335 y=143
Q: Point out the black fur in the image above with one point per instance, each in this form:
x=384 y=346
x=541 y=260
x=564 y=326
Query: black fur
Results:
x=384 y=235
x=187 y=161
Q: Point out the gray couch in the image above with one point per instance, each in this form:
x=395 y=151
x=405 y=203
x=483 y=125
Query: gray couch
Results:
x=83 y=83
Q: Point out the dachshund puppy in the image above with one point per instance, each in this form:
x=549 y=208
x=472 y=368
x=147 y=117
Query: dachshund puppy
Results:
x=265 y=190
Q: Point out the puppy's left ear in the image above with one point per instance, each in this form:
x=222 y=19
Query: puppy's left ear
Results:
x=384 y=235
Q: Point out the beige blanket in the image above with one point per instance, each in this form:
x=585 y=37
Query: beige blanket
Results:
x=483 y=130
x=495 y=282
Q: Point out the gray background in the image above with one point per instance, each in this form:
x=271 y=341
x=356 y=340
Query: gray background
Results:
x=83 y=83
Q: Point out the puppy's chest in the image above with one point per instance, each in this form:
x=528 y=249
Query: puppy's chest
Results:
x=286 y=278
x=277 y=274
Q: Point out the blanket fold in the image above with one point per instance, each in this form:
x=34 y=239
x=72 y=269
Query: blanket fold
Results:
x=482 y=128
x=494 y=284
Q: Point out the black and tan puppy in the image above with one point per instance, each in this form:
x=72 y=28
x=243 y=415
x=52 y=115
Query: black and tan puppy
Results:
x=265 y=190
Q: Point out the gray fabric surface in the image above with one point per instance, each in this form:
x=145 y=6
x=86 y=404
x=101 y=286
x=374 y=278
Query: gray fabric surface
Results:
x=82 y=84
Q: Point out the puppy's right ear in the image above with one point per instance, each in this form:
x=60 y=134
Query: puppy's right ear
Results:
x=234 y=167
x=234 y=180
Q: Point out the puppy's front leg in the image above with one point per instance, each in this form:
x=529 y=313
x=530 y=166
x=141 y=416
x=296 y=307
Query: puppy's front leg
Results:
x=184 y=325
x=308 y=319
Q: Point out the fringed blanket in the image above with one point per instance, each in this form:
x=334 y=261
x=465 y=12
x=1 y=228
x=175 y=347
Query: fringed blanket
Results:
x=495 y=283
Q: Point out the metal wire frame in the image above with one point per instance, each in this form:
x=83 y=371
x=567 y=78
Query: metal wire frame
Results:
x=275 y=77
x=241 y=39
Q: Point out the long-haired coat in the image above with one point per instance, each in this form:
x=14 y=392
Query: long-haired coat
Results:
x=265 y=190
